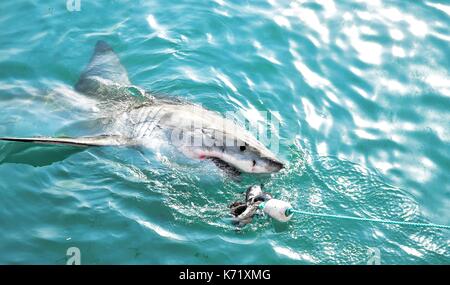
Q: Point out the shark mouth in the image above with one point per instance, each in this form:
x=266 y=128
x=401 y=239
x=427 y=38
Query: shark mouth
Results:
x=225 y=167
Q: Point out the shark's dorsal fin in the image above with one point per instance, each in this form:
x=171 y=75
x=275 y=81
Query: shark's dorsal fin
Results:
x=104 y=77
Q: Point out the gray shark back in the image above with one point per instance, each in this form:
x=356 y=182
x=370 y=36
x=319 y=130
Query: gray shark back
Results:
x=105 y=78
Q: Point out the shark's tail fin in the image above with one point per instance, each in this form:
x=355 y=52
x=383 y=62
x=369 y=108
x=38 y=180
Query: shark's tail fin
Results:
x=102 y=140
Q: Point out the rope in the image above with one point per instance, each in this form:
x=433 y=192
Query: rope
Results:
x=366 y=219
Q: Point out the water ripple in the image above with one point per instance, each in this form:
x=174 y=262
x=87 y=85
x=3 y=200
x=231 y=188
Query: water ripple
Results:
x=361 y=90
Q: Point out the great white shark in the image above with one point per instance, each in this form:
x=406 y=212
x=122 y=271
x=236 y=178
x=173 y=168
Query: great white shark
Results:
x=136 y=115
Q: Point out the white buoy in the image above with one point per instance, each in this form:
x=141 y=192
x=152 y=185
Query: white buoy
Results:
x=278 y=210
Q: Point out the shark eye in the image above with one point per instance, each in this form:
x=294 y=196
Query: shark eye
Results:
x=242 y=147
x=254 y=162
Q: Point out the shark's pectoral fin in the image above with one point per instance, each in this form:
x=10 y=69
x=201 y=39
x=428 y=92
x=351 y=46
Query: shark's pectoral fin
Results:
x=102 y=140
x=229 y=170
x=35 y=154
x=41 y=151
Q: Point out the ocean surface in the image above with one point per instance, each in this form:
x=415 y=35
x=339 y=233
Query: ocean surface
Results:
x=361 y=90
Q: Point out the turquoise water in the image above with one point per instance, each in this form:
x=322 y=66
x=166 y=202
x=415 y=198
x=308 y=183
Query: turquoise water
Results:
x=362 y=92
